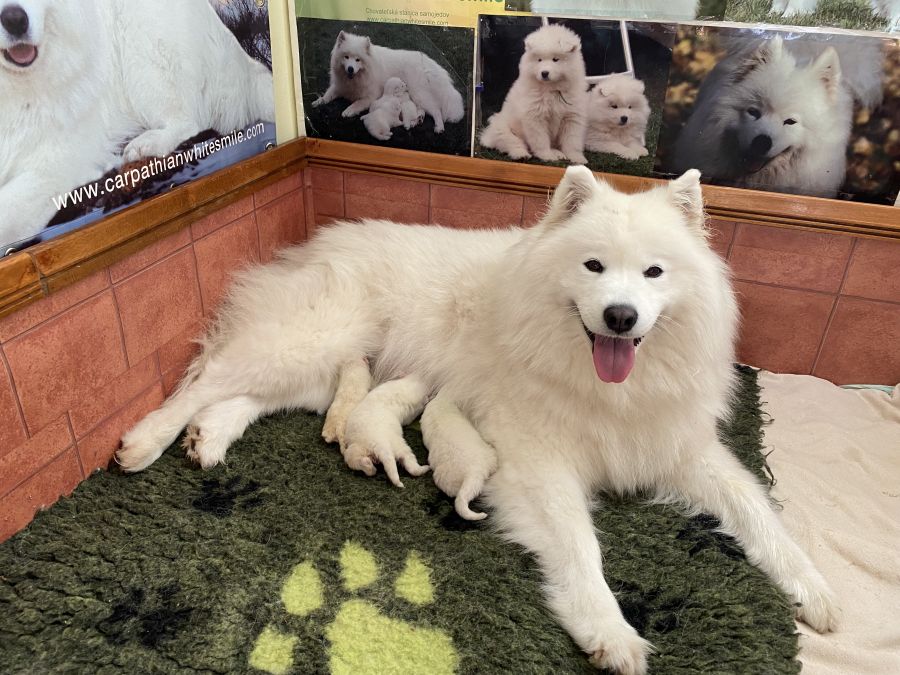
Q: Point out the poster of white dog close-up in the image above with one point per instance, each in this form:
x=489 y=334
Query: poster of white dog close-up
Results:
x=572 y=91
x=804 y=112
x=105 y=103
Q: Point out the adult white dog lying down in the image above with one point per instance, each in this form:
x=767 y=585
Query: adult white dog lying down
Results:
x=82 y=78
x=592 y=352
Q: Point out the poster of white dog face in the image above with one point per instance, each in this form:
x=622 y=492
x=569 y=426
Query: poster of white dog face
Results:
x=569 y=91
x=395 y=85
x=105 y=103
x=807 y=113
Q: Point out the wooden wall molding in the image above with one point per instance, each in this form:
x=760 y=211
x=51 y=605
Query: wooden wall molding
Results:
x=750 y=206
x=45 y=268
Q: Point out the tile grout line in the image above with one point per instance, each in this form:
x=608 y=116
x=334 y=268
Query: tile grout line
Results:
x=37 y=472
x=837 y=298
x=15 y=390
x=74 y=444
x=153 y=383
x=197 y=280
x=119 y=323
x=734 y=232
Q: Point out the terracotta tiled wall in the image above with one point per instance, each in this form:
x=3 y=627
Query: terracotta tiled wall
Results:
x=79 y=368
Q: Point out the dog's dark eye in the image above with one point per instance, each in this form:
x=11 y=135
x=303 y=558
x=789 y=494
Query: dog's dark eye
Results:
x=790 y=120
x=555 y=59
x=540 y=60
x=594 y=265
x=653 y=272
x=754 y=113
x=614 y=105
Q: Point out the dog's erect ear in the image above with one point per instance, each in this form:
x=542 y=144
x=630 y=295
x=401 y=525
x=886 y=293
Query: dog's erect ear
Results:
x=368 y=45
x=686 y=194
x=767 y=51
x=828 y=68
x=578 y=185
x=641 y=87
x=341 y=37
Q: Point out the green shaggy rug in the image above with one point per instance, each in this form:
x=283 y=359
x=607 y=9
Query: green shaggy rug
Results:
x=284 y=561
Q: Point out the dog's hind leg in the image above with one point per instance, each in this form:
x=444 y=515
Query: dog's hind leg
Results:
x=149 y=438
x=354 y=382
x=571 y=139
x=219 y=425
x=374 y=432
x=429 y=103
x=715 y=482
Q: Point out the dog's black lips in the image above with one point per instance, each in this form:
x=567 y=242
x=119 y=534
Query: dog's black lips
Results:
x=8 y=57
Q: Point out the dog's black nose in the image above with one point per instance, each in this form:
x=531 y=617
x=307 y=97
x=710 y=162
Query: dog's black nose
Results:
x=761 y=145
x=620 y=318
x=15 y=20
x=545 y=74
x=349 y=70
x=623 y=119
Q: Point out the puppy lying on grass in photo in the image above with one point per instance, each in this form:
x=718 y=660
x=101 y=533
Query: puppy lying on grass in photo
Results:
x=393 y=109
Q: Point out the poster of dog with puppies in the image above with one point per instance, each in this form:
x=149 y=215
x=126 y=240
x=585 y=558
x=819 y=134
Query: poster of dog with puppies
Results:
x=571 y=91
x=106 y=103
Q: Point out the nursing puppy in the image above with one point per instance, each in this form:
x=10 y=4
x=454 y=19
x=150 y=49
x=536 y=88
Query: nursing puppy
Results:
x=545 y=112
x=592 y=352
x=80 y=79
x=359 y=70
x=618 y=113
x=386 y=113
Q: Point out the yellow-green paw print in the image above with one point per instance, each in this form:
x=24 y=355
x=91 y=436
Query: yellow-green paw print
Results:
x=361 y=639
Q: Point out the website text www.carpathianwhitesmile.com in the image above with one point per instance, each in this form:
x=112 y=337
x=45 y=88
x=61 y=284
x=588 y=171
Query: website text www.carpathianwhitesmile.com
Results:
x=155 y=166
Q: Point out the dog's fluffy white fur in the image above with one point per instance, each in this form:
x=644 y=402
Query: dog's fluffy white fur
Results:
x=88 y=76
x=520 y=332
x=618 y=113
x=763 y=121
x=544 y=113
x=387 y=112
x=359 y=70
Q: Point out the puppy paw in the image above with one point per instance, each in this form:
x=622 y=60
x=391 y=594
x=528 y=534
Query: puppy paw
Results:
x=577 y=158
x=621 y=650
x=350 y=112
x=207 y=451
x=153 y=143
x=374 y=446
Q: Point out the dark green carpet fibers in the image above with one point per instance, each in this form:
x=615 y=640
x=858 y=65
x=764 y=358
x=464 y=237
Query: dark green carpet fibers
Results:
x=284 y=561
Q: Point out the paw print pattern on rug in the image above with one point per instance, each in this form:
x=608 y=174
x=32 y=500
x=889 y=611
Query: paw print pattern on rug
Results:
x=361 y=639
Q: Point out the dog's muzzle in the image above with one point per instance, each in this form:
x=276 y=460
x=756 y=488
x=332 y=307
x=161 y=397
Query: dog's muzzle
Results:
x=21 y=55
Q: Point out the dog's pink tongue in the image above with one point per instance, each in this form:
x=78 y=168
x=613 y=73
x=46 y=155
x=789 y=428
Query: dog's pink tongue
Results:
x=22 y=54
x=613 y=358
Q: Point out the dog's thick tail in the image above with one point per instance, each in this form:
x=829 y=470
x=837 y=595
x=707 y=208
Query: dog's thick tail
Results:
x=263 y=90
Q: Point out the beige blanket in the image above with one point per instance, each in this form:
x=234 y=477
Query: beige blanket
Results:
x=836 y=459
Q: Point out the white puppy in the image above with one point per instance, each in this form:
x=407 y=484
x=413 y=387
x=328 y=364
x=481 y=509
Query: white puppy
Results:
x=386 y=112
x=545 y=112
x=82 y=78
x=618 y=113
x=359 y=70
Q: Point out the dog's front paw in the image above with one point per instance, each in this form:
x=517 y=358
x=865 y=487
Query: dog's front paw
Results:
x=319 y=101
x=577 y=158
x=350 y=112
x=153 y=143
x=817 y=607
x=621 y=650
x=551 y=155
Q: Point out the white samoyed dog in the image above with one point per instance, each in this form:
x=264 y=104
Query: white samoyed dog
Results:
x=545 y=111
x=359 y=70
x=625 y=9
x=591 y=352
x=763 y=121
x=618 y=113
x=80 y=78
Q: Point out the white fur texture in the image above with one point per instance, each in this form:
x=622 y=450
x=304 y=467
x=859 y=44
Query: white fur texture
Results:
x=626 y=9
x=617 y=117
x=359 y=70
x=805 y=112
x=460 y=459
x=494 y=321
x=545 y=111
x=393 y=109
x=148 y=75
